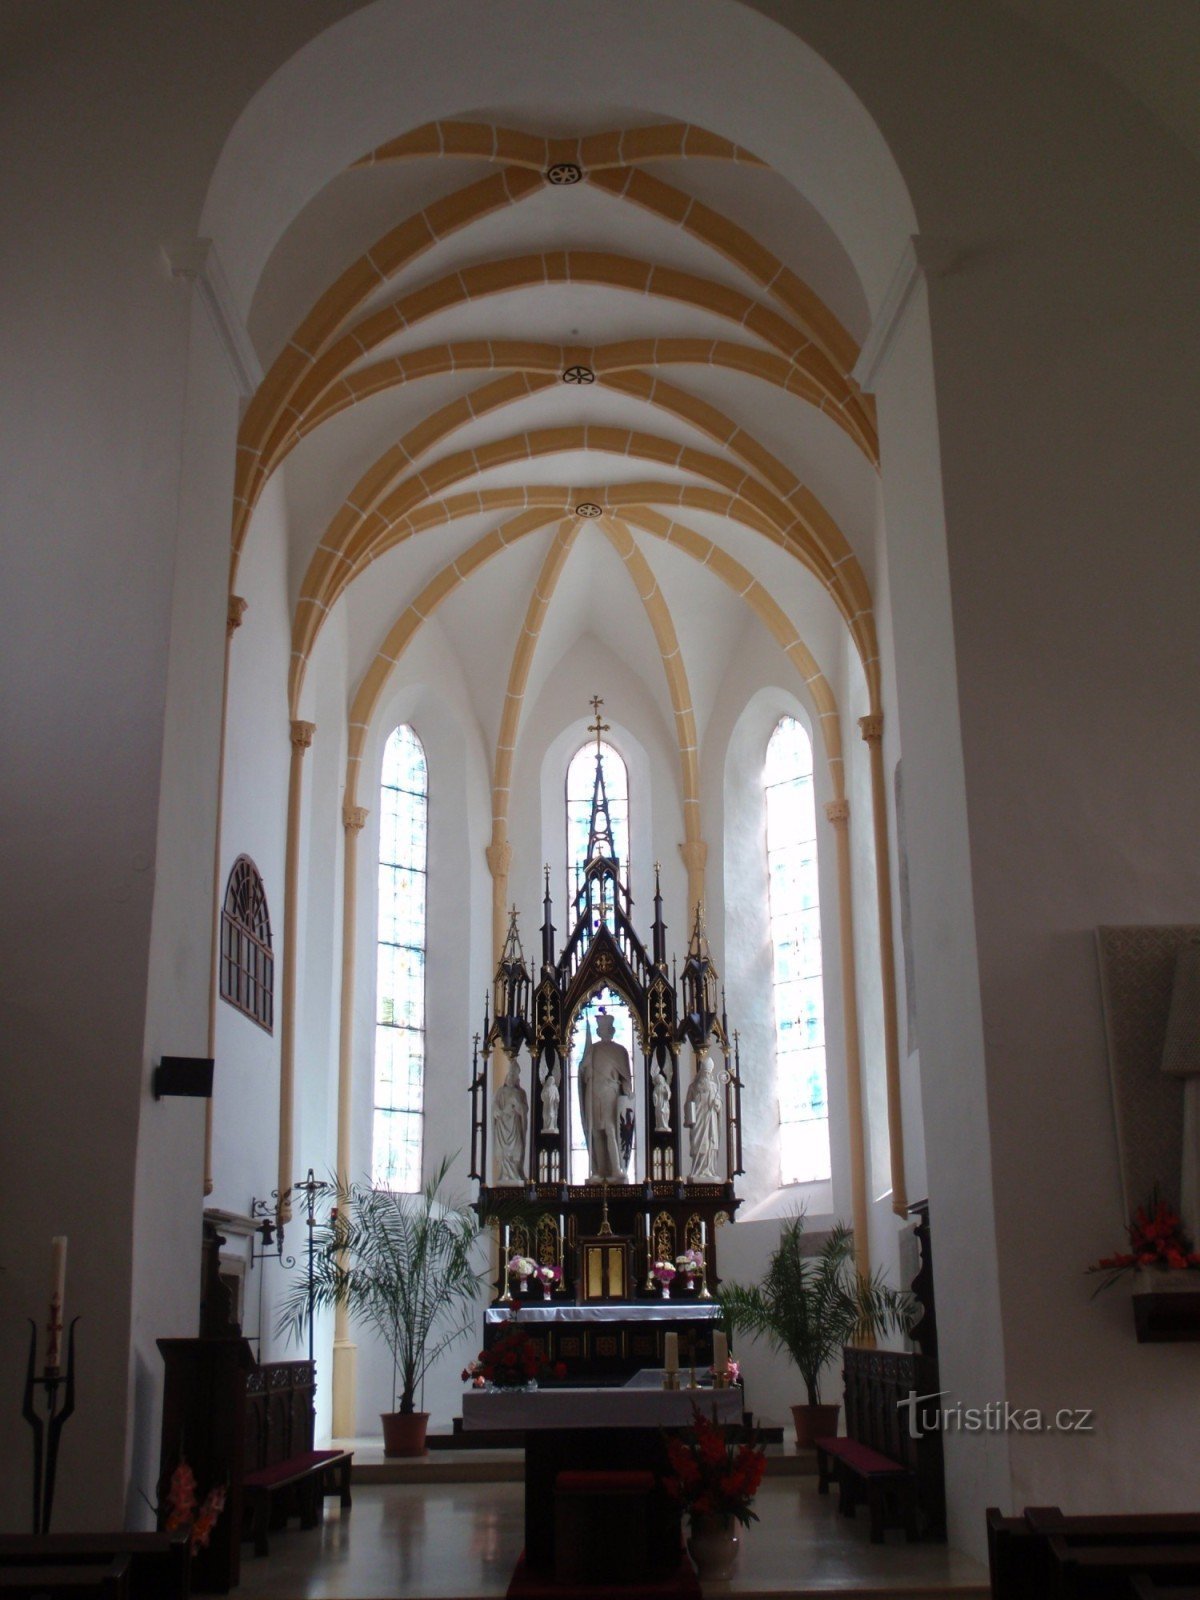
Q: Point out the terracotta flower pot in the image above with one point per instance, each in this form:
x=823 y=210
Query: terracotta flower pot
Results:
x=404 y=1432
x=814 y=1422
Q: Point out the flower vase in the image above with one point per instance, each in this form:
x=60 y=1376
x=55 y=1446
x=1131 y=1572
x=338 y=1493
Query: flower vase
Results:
x=713 y=1544
x=545 y=1291
x=522 y=1287
x=666 y=1291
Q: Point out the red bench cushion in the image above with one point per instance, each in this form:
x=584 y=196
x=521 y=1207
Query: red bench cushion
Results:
x=294 y=1467
x=605 y=1482
x=859 y=1457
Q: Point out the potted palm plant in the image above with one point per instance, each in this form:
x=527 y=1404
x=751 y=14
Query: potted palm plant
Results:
x=401 y=1264
x=811 y=1304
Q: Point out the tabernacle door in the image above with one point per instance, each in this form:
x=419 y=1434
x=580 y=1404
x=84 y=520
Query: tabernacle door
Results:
x=605 y=1261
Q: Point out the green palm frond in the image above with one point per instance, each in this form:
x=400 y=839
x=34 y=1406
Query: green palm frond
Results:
x=401 y=1264
x=810 y=1305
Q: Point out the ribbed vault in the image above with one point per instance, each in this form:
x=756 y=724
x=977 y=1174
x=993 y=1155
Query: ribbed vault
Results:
x=558 y=346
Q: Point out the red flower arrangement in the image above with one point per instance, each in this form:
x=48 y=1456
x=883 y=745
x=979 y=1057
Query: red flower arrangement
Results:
x=714 y=1476
x=514 y=1360
x=1156 y=1239
x=181 y=1507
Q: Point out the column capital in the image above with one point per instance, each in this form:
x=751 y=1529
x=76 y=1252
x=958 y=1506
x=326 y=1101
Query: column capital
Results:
x=499 y=858
x=354 y=818
x=234 y=613
x=302 y=734
x=838 y=812
x=871 y=727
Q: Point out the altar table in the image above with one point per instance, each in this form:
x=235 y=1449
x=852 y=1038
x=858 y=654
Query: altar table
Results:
x=603 y=1342
x=600 y=1430
x=637 y=1405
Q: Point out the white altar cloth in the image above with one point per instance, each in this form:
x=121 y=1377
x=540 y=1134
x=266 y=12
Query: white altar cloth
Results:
x=596 y=1408
x=634 y=1311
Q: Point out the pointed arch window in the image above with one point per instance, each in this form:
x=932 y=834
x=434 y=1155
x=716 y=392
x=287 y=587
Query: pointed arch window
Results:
x=795 y=906
x=581 y=782
x=247 y=963
x=400 y=987
x=581 y=787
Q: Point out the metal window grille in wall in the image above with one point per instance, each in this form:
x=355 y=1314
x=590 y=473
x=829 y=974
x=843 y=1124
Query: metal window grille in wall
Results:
x=581 y=782
x=247 y=965
x=400 y=987
x=796 y=944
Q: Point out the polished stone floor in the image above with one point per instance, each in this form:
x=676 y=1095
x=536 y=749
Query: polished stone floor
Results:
x=453 y=1539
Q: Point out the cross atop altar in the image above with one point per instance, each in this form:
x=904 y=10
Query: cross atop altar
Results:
x=662 y=1157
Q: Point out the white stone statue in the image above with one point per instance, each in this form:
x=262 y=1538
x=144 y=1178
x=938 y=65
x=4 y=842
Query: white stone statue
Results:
x=551 y=1078
x=660 y=1096
x=510 y=1123
x=605 y=1102
x=702 y=1118
x=1181 y=1058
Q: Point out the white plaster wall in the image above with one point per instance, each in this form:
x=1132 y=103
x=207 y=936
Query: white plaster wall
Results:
x=170 y=1163
x=254 y=823
x=96 y=359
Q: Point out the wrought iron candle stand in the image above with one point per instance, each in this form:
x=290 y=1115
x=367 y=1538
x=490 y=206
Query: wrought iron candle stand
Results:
x=47 y=1431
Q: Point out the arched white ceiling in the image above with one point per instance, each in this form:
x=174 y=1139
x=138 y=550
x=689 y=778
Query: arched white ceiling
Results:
x=423 y=293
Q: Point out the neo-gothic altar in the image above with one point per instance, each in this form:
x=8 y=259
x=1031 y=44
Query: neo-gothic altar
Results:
x=662 y=1131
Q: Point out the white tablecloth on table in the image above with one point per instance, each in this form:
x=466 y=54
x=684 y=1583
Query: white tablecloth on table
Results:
x=634 y=1311
x=596 y=1408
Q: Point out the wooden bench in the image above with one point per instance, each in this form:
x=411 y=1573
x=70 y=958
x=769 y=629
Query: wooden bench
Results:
x=282 y=1474
x=299 y=1484
x=889 y=1489
x=155 y=1566
x=1144 y=1587
x=883 y=1460
x=249 y=1428
x=1047 y=1553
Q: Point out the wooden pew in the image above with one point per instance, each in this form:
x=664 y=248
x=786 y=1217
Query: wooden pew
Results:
x=250 y=1428
x=156 y=1566
x=36 y=1581
x=283 y=1475
x=1047 y=1553
x=878 y=1460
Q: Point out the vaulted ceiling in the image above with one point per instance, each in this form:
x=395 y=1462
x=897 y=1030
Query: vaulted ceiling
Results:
x=543 y=382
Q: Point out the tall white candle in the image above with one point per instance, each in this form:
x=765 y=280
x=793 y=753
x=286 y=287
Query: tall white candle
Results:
x=58 y=1289
x=720 y=1351
x=703 y=1234
x=670 y=1352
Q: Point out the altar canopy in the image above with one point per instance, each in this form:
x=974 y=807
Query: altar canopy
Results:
x=662 y=1134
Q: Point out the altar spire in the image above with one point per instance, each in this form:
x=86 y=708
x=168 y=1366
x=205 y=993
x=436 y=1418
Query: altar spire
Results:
x=600 y=840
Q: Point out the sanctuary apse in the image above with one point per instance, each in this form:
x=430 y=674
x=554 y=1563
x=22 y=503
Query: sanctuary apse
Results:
x=661 y=1163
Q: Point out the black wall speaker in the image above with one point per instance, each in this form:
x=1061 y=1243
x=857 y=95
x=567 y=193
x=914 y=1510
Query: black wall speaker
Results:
x=191 y=1075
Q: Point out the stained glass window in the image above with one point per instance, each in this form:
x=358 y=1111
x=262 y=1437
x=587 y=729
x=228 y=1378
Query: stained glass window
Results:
x=400 y=988
x=796 y=942
x=581 y=781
